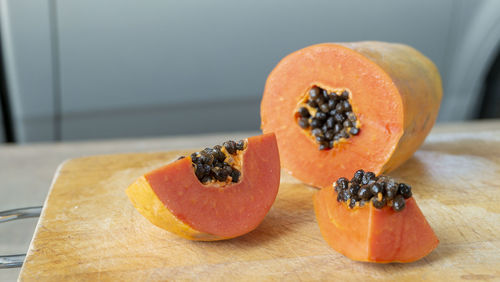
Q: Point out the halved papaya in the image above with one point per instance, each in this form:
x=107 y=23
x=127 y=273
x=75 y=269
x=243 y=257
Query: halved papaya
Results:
x=379 y=227
x=336 y=107
x=218 y=193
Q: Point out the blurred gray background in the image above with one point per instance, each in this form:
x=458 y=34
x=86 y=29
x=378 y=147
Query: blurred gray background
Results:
x=92 y=69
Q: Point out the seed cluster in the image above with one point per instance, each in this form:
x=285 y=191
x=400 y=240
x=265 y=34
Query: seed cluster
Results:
x=328 y=116
x=366 y=187
x=217 y=164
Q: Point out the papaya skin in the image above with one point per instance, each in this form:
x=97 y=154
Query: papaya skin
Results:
x=172 y=198
x=374 y=235
x=395 y=93
x=419 y=83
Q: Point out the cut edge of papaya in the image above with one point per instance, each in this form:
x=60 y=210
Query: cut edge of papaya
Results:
x=336 y=63
x=407 y=221
x=338 y=227
x=149 y=205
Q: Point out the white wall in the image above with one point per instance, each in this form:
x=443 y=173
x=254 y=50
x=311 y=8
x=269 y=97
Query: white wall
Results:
x=476 y=41
x=27 y=47
x=135 y=68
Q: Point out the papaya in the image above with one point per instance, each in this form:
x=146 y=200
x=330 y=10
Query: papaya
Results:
x=336 y=107
x=215 y=194
x=373 y=220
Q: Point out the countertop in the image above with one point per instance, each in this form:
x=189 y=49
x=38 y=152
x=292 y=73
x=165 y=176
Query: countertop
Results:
x=27 y=171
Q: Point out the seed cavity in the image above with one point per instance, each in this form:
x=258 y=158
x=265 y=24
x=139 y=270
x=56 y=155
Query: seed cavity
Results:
x=220 y=165
x=365 y=187
x=328 y=117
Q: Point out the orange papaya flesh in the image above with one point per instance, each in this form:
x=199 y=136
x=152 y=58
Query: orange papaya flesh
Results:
x=395 y=93
x=374 y=235
x=173 y=198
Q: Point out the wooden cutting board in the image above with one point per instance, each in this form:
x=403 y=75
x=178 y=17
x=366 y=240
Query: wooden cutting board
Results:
x=90 y=231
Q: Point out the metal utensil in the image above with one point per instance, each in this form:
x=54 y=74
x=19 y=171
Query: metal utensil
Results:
x=11 y=261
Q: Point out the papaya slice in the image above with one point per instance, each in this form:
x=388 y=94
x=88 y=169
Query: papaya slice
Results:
x=335 y=107
x=216 y=203
x=381 y=227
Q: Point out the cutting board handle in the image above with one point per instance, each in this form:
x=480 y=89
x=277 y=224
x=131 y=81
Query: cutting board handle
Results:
x=11 y=261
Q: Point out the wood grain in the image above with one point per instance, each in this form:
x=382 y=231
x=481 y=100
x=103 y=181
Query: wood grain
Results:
x=90 y=231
